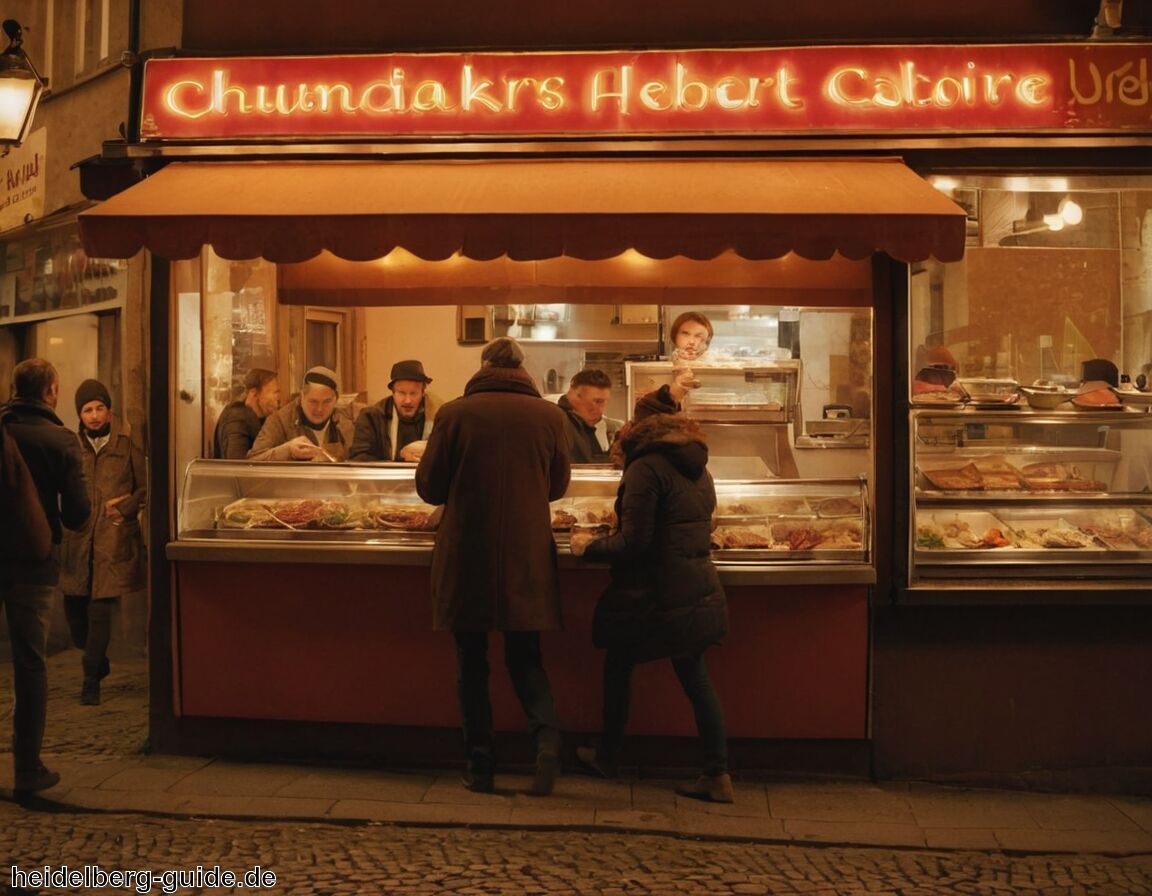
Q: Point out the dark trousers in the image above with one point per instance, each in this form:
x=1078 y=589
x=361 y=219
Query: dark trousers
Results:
x=90 y=623
x=526 y=669
x=27 y=608
x=693 y=674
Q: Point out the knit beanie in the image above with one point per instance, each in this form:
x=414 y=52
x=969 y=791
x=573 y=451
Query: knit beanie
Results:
x=503 y=351
x=92 y=390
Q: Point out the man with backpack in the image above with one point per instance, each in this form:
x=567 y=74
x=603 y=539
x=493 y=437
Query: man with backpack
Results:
x=28 y=576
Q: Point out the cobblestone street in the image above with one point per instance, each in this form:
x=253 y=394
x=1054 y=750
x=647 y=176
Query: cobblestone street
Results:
x=374 y=858
x=436 y=838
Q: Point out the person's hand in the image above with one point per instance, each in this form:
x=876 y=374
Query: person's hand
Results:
x=684 y=381
x=111 y=510
x=578 y=542
x=413 y=451
x=302 y=448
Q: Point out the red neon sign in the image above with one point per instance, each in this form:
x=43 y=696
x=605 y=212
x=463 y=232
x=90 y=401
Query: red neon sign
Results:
x=873 y=89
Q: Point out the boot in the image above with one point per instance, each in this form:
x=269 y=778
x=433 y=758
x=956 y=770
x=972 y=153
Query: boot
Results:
x=547 y=771
x=710 y=788
x=105 y=668
x=33 y=781
x=90 y=691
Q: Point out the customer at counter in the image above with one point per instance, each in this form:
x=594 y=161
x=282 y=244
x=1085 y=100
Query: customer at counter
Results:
x=497 y=457
x=590 y=433
x=310 y=427
x=397 y=427
x=665 y=598
x=240 y=421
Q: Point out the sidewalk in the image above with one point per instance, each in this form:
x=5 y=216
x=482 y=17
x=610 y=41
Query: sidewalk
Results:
x=97 y=752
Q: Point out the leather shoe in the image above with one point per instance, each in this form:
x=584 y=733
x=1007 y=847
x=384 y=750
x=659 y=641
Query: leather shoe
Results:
x=547 y=771
x=41 y=779
x=478 y=782
x=589 y=761
x=710 y=788
x=90 y=691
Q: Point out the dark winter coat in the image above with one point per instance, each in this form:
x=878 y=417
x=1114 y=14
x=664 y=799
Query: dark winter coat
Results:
x=495 y=460
x=665 y=599
x=53 y=458
x=372 y=439
x=236 y=431
x=105 y=558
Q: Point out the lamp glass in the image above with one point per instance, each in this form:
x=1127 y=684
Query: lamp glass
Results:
x=18 y=98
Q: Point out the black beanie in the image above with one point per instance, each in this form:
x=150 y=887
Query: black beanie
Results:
x=92 y=390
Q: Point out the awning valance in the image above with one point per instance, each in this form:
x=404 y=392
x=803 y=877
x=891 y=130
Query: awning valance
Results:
x=530 y=209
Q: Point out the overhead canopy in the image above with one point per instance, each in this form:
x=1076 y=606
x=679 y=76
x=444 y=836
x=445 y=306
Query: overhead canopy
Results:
x=530 y=209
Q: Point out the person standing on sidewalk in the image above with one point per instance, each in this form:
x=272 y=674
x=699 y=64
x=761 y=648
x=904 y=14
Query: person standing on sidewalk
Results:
x=105 y=558
x=496 y=458
x=665 y=598
x=26 y=588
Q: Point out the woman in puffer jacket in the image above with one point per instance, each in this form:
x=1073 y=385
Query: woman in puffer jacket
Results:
x=665 y=599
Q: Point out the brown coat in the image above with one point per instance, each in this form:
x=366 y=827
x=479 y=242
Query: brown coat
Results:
x=282 y=426
x=102 y=559
x=495 y=460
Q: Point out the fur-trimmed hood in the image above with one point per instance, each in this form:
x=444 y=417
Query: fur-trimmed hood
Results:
x=675 y=436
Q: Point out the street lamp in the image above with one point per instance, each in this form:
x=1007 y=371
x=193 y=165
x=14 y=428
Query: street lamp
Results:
x=20 y=88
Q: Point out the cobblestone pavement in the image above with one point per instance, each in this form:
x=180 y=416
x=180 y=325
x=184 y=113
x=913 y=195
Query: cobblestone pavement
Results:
x=374 y=858
x=370 y=857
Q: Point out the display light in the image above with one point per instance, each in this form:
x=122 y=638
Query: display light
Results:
x=1070 y=211
x=20 y=88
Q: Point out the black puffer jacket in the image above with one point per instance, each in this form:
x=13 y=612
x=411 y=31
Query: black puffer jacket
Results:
x=665 y=598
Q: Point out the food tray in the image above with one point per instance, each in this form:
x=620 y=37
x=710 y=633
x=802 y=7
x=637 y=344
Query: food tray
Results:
x=960 y=531
x=765 y=506
x=353 y=536
x=792 y=537
x=1031 y=533
x=583 y=511
x=1120 y=529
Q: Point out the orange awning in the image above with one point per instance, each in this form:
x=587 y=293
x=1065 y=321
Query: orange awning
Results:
x=530 y=209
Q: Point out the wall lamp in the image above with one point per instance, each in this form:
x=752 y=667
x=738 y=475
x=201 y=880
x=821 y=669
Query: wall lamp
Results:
x=20 y=88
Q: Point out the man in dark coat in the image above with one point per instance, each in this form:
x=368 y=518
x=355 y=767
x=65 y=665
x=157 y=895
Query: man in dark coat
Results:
x=52 y=454
x=590 y=432
x=240 y=421
x=665 y=599
x=495 y=460
x=397 y=427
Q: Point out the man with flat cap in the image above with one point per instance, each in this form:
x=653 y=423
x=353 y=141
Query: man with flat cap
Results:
x=310 y=426
x=397 y=427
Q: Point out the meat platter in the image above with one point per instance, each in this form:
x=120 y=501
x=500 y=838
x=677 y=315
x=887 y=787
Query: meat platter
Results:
x=325 y=518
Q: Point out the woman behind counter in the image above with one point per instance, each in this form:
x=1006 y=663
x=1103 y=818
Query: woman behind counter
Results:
x=665 y=599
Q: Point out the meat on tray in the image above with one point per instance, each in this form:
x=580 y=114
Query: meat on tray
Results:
x=315 y=513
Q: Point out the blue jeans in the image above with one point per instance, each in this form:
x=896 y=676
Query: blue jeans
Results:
x=526 y=669
x=693 y=674
x=27 y=608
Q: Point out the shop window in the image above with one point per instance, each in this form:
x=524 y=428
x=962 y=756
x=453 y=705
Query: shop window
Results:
x=1056 y=272
x=49 y=273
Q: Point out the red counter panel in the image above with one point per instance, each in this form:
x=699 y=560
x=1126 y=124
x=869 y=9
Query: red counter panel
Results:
x=354 y=644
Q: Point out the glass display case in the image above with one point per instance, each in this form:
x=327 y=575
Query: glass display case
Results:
x=1012 y=495
x=729 y=392
x=252 y=510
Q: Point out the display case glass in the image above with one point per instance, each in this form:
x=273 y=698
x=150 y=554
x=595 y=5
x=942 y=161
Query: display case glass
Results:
x=301 y=504
x=1011 y=496
x=729 y=391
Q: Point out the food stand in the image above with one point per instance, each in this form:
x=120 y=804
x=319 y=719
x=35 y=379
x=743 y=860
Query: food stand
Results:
x=245 y=671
